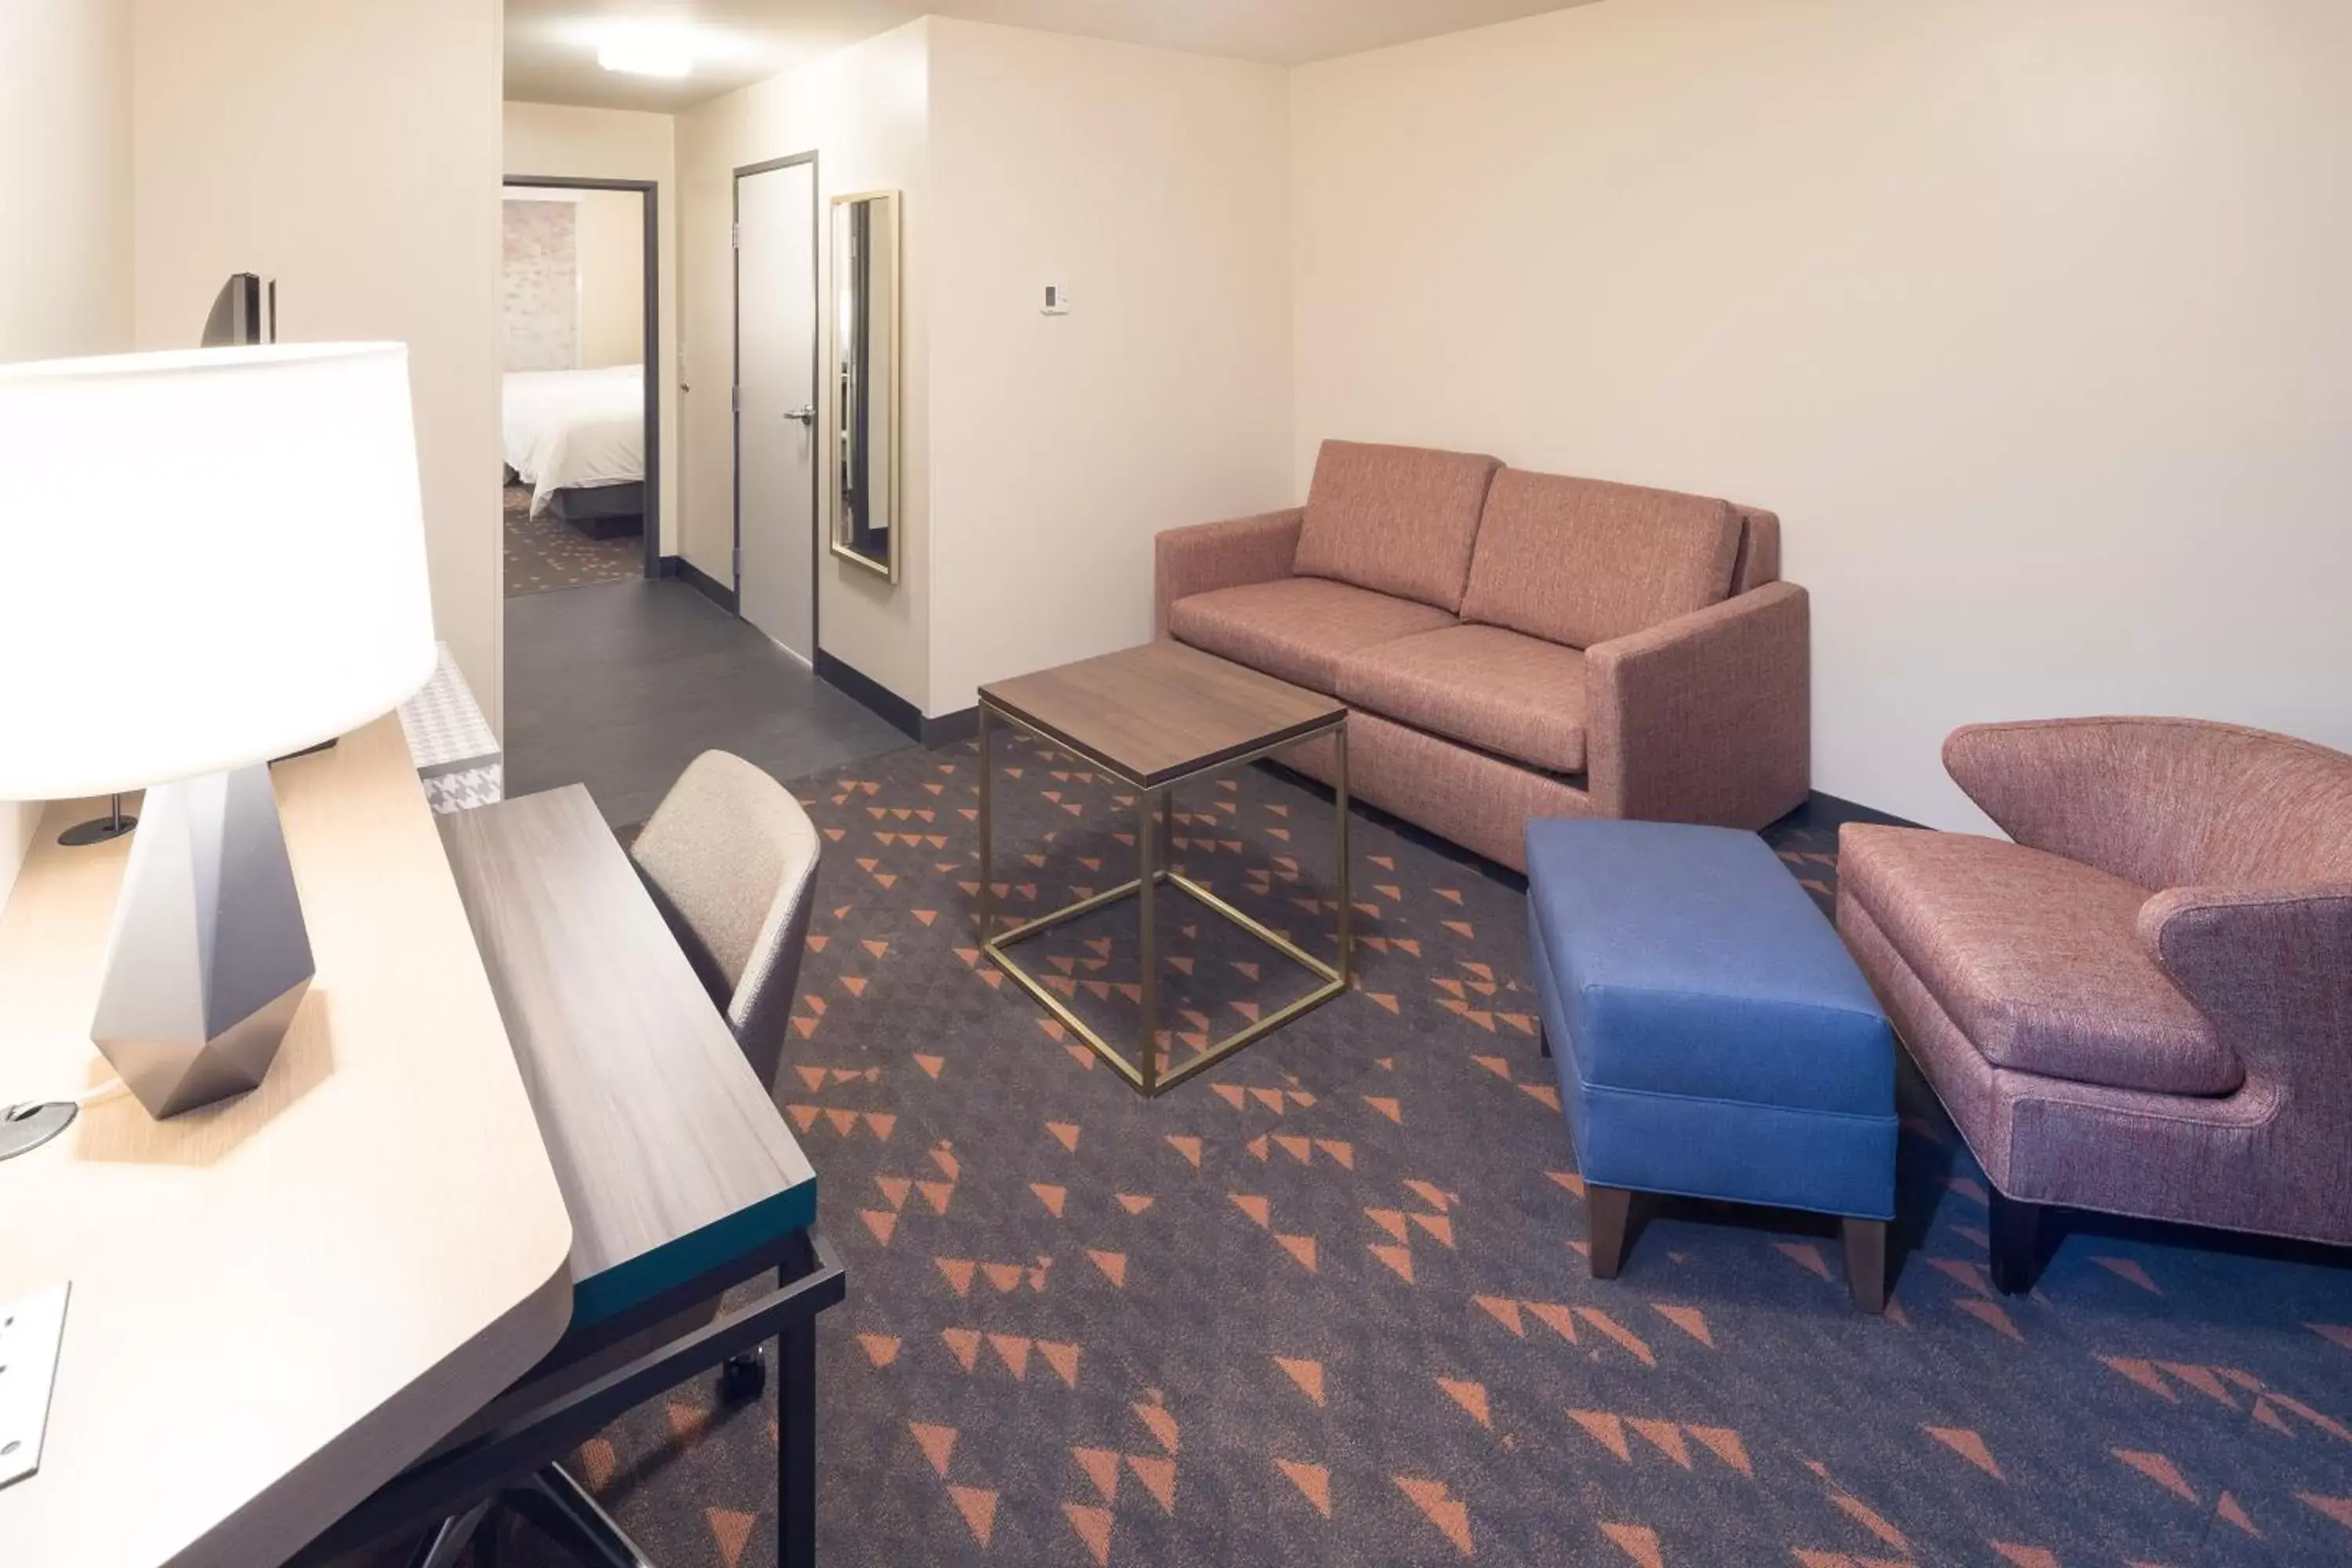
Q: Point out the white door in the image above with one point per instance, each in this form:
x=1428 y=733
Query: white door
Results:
x=776 y=423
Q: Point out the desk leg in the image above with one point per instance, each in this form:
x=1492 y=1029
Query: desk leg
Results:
x=450 y=1539
x=796 y=1446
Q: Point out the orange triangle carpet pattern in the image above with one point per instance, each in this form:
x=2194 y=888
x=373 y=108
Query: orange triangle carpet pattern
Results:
x=1328 y=1302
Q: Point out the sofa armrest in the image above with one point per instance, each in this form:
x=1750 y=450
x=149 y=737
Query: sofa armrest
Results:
x=1707 y=716
x=1212 y=555
x=2270 y=967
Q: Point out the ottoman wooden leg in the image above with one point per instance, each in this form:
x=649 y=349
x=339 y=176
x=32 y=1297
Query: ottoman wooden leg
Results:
x=1608 y=1214
x=1865 y=1263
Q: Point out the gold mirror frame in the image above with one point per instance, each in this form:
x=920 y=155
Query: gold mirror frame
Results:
x=865 y=358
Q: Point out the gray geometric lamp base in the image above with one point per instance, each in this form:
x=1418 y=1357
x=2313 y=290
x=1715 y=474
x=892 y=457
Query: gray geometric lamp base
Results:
x=208 y=958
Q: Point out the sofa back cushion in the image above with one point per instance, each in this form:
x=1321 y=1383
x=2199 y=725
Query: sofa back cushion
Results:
x=1582 y=561
x=1396 y=520
x=1760 y=550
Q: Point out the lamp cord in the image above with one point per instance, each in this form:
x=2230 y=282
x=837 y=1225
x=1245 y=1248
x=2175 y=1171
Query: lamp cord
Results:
x=97 y=1094
x=101 y=1093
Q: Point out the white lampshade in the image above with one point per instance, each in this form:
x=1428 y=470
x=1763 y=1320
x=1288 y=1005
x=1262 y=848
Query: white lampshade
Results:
x=207 y=559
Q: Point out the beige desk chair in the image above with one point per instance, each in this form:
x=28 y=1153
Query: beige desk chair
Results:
x=730 y=857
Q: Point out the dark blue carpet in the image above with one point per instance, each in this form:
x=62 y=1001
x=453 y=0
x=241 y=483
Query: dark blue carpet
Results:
x=1325 y=1305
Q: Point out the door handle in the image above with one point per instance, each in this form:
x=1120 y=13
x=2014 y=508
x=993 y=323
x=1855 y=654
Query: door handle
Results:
x=806 y=413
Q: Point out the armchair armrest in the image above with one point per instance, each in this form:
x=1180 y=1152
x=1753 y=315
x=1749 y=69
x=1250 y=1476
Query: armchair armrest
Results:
x=2133 y=797
x=1707 y=716
x=2271 y=967
x=1212 y=555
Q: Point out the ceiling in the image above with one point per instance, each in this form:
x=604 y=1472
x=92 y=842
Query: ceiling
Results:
x=551 y=45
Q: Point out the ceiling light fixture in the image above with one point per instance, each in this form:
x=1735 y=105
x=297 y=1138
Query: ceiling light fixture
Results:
x=648 y=51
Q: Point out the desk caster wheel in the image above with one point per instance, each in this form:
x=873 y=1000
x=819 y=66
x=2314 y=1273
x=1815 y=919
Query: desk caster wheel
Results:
x=742 y=1378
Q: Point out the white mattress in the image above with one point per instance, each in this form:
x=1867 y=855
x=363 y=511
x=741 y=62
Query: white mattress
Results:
x=575 y=430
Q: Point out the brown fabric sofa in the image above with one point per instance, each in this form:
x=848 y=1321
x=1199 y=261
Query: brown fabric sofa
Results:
x=1513 y=645
x=2144 y=1005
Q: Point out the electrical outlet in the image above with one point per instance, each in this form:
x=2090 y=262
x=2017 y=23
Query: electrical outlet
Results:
x=31 y=1330
x=1056 y=300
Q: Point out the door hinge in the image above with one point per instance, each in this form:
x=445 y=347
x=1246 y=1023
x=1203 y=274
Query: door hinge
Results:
x=735 y=236
x=739 y=563
x=735 y=399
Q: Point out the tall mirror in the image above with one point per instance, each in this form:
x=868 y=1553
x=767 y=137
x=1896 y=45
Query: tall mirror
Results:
x=866 y=380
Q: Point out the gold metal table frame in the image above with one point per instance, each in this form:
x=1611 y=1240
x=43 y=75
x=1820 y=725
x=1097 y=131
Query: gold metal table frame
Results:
x=1152 y=869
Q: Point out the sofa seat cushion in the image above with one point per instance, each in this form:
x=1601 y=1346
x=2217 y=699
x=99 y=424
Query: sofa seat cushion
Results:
x=1297 y=628
x=1582 y=561
x=1519 y=697
x=2037 y=960
x=1396 y=520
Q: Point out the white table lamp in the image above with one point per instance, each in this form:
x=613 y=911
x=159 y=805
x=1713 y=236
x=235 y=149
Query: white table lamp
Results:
x=215 y=558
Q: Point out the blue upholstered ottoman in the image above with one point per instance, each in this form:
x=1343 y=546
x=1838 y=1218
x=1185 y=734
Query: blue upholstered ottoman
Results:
x=1711 y=1037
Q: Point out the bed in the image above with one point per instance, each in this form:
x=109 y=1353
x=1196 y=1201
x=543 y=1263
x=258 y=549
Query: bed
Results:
x=577 y=438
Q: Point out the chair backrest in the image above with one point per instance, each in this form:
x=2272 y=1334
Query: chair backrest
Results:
x=2253 y=809
x=2165 y=803
x=730 y=860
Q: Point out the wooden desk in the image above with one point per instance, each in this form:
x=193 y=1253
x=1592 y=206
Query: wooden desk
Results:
x=671 y=1154
x=682 y=1179
x=281 y=1301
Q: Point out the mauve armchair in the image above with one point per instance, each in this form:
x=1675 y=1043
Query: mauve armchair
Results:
x=2144 y=1005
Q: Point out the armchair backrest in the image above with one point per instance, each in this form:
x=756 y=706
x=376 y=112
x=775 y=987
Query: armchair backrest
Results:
x=2165 y=803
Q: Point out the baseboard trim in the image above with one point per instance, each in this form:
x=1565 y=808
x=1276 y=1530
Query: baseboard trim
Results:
x=1828 y=813
x=701 y=582
x=856 y=683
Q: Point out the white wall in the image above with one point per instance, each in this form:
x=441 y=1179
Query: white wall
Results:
x=865 y=112
x=2031 y=320
x=1156 y=186
x=352 y=152
x=620 y=144
x=65 y=185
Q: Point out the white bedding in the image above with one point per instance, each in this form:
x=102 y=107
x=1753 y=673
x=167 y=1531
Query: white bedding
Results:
x=574 y=429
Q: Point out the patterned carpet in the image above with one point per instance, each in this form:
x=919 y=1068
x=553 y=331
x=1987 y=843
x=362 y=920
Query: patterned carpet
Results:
x=1325 y=1305
x=545 y=552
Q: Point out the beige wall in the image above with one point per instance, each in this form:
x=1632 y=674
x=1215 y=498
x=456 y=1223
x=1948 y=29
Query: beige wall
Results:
x=350 y=152
x=65 y=185
x=2031 y=320
x=1156 y=186
x=865 y=112
x=611 y=235
x=1040 y=454
x=552 y=140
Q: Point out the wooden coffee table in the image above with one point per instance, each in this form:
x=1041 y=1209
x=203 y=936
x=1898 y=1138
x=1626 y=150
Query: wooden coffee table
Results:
x=1156 y=718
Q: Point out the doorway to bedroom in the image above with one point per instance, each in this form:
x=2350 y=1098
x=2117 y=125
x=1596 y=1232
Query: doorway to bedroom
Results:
x=580 y=415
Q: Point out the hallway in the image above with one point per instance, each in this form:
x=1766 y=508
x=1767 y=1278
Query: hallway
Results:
x=620 y=685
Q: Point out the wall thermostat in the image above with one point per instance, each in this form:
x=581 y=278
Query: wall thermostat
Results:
x=1057 y=299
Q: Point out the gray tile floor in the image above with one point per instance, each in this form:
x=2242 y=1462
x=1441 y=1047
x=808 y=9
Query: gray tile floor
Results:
x=619 y=685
